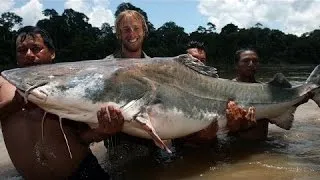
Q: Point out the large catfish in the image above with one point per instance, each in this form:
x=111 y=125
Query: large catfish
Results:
x=160 y=98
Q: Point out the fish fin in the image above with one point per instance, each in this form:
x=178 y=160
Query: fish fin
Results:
x=279 y=80
x=315 y=79
x=143 y=119
x=285 y=120
x=134 y=107
x=193 y=64
x=314 y=76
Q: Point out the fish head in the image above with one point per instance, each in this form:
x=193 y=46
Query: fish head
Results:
x=24 y=78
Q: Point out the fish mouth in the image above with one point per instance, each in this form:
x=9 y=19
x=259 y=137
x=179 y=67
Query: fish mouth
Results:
x=35 y=94
x=40 y=94
x=34 y=90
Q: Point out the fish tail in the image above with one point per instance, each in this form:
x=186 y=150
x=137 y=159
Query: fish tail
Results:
x=314 y=78
x=285 y=120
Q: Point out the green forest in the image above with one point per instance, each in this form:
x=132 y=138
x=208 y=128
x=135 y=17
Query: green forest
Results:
x=76 y=39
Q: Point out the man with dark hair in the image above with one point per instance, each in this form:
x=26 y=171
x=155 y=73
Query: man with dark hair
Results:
x=34 y=46
x=246 y=65
x=26 y=31
x=47 y=156
x=197 y=50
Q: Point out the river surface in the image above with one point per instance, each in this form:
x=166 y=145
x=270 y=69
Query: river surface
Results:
x=293 y=154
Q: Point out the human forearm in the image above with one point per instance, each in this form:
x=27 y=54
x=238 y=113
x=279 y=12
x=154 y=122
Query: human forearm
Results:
x=9 y=98
x=8 y=107
x=91 y=135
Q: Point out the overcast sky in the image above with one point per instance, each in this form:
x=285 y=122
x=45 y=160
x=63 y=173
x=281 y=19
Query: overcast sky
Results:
x=289 y=16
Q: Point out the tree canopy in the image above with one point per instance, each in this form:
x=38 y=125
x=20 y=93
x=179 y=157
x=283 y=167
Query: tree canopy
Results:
x=76 y=39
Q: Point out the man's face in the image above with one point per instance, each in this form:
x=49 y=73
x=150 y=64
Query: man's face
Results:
x=33 y=51
x=198 y=53
x=131 y=33
x=248 y=63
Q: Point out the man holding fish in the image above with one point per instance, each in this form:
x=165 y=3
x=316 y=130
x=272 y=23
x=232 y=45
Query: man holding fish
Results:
x=131 y=31
x=246 y=65
x=33 y=138
x=43 y=145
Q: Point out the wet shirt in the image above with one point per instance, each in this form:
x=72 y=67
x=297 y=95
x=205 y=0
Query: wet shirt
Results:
x=118 y=54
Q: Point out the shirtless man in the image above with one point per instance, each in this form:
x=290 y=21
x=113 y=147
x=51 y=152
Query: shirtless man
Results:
x=246 y=64
x=48 y=158
x=131 y=30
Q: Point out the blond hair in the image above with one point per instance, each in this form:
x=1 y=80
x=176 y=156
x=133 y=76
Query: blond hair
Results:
x=133 y=13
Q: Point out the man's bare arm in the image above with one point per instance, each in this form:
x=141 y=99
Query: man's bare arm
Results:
x=10 y=100
x=7 y=92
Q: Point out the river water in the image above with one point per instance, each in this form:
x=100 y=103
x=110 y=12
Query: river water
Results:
x=293 y=154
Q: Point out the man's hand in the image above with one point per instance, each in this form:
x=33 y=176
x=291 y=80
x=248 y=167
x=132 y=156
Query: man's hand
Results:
x=110 y=122
x=239 y=118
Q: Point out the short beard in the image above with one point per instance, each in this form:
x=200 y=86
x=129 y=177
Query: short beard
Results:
x=130 y=48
